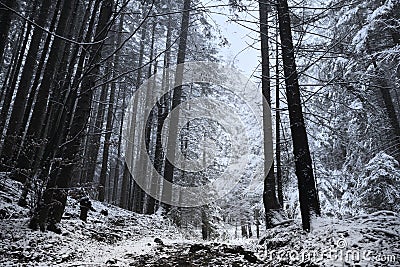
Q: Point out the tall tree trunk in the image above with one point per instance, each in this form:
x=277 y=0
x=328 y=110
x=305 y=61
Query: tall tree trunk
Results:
x=5 y=22
x=162 y=112
x=135 y=189
x=144 y=141
x=271 y=203
x=309 y=203
x=107 y=140
x=94 y=139
x=278 y=123
x=110 y=116
x=37 y=122
x=17 y=114
x=71 y=152
x=8 y=92
x=119 y=148
x=39 y=70
x=11 y=137
x=176 y=100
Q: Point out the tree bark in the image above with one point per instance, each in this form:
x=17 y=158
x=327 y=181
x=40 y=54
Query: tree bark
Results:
x=71 y=153
x=16 y=118
x=271 y=203
x=37 y=122
x=162 y=112
x=7 y=90
x=176 y=100
x=5 y=22
x=309 y=203
x=278 y=124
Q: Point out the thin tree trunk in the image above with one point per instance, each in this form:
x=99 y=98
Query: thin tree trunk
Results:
x=5 y=22
x=278 y=124
x=17 y=114
x=8 y=92
x=141 y=172
x=107 y=139
x=176 y=100
x=104 y=165
x=162 y=111
x=11 y=137
x=271 y=203
x=94 y=139
x=137 y=191
x=385 y=89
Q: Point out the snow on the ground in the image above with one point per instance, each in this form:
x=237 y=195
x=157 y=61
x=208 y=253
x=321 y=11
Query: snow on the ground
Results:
x=124 y=238
x=368 y=240
x=103 y=240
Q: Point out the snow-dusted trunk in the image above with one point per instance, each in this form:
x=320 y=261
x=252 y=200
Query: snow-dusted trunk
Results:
x=309 y=203
x=278 y=124
x=10 y=139
x=7 y=91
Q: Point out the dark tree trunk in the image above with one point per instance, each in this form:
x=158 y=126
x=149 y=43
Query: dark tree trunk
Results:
x=244 y=229
x=71 y=152
x=107 y=139
x=204 y=225
x=11 y=137
x=162 y=111
x=7 y=90
x=391 y=114
x=119 y=149
x=309 y=204
x=5 y=22
x=124 y=188
x=278 y=124
x=271 y=203
x=37 y=122
x=39 y=70
x=94 y=138
x=141 y=172
x=17 y=114
x=176 y=100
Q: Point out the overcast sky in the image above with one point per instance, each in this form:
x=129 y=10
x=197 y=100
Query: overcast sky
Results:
x=239 y=37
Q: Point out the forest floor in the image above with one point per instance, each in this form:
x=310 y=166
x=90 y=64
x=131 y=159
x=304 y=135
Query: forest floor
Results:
x=124 y=238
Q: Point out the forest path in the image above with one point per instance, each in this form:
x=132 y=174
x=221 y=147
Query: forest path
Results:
x=124 y=238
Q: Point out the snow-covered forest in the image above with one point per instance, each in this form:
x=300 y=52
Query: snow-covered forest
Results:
x=199 y=133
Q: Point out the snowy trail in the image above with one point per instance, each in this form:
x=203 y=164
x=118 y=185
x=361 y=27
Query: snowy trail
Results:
x=124 y=238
